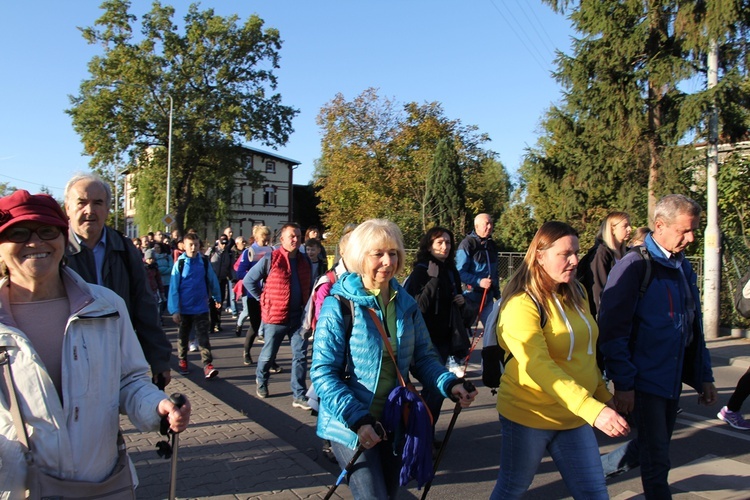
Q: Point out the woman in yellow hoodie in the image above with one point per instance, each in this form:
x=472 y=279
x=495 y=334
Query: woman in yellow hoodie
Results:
x=552 y=391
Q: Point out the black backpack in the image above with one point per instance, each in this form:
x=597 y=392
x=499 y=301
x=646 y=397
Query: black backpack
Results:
x=494 y=357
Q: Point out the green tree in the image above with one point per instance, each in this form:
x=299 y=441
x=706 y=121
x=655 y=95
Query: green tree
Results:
x=352 y=172
x=217 y=76
x=516 y=226
x=489 y=190
x=376 y=156
x=615 y=142
x=6 y=189
x=445 y=188
x=734 y=202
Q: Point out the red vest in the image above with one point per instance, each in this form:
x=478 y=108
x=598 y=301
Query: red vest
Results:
x=274 y=301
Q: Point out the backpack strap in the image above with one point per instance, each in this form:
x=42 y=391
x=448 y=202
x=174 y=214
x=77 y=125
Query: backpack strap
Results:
x=347 y=312
x=645 y=255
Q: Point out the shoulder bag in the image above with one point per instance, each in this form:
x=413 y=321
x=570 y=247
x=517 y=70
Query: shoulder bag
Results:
x=119 y=485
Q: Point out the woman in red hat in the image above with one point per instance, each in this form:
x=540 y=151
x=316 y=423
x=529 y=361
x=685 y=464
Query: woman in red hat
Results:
x=74 y=358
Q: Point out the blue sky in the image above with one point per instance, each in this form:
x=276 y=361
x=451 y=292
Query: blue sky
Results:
x=488 y=62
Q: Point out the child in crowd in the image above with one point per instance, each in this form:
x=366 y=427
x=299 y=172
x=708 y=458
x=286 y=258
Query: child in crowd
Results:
x=155 y=284
x=313 y=248
x=193 y=281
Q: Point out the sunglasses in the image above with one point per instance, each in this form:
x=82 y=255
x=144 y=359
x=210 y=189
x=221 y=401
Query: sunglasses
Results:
x=23 y=234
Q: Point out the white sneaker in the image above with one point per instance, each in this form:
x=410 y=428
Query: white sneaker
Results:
x=193 y=346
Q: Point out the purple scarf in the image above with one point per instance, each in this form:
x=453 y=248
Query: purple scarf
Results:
x=416 y=460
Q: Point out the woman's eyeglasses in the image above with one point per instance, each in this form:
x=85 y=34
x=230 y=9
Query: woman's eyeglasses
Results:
x=23 y=234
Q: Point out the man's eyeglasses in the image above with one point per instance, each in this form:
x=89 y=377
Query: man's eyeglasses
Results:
x=23 y=234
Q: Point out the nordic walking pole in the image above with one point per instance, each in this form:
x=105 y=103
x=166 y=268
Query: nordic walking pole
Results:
x=348 y=468
x=474 y=337
x=178 y=400
x=456 y=410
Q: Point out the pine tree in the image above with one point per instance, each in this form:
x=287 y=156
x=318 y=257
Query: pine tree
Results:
x=615 y=142
x=445 y=188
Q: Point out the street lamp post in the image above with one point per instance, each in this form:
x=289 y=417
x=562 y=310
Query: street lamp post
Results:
x=169 y=156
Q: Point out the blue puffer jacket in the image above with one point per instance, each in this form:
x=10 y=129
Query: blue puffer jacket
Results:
x=344 y=403
x=644 y=341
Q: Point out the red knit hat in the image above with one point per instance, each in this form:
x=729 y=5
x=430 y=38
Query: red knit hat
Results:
x=22 y=206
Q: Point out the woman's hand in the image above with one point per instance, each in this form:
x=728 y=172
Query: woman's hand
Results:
x=368 y=437
x=178 y=418
x=611 y=423
x=459 y=300
x=462 y=396
x=432 y=270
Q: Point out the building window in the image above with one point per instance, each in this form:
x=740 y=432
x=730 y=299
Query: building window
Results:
x=269 y=196
x=270 y=167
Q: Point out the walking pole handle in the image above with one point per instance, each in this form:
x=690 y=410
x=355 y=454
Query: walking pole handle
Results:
x=179 y=401
x=469 y=386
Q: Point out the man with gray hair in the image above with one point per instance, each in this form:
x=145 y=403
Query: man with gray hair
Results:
x=476 y=261
x=105 y=257
x=652 y=341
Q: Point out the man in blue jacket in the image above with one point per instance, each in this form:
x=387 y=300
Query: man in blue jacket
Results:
x=652 y=341
x=476 y=260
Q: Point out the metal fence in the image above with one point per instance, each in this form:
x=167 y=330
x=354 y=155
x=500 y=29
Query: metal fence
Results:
x=732 y=263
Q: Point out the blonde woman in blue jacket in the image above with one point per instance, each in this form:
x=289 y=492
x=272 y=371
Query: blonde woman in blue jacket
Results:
x=351 y=403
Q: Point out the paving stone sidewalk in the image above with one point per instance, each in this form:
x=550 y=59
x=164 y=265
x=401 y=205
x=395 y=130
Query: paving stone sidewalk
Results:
x=224 y=455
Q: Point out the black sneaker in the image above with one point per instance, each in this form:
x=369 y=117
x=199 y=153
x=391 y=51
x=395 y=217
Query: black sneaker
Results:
x=276 y=369
x=247 y=360
x=261 y=391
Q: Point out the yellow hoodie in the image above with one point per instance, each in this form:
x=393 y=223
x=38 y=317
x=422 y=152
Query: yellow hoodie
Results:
x=552 y=381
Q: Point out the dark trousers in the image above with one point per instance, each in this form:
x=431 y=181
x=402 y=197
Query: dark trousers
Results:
x=432 y=397
x=252 y=307
x=200 y=321
x=214 y=313
x=740 y=393
x=654 y=419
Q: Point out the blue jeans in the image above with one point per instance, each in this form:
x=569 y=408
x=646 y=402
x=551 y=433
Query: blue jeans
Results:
x=375 y=473
x=232 y=299
x=244 y=314
x=654 y=419
x=575 y=453
x=274 y=335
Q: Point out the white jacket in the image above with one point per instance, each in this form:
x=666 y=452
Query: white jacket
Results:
x=103 y=371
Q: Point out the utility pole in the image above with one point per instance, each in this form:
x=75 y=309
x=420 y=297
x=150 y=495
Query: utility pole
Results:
x=712 y=246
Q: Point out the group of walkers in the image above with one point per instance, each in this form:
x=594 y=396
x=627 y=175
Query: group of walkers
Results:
x=605 y=342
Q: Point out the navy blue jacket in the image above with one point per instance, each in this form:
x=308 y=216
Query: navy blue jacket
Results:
x=654 y=343
x=476 y=259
